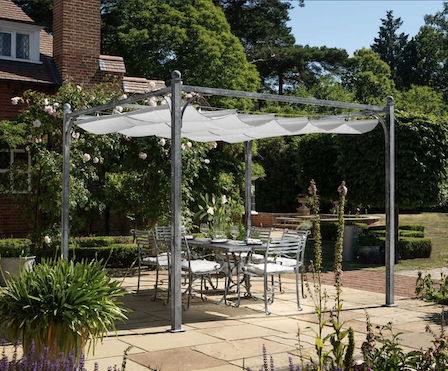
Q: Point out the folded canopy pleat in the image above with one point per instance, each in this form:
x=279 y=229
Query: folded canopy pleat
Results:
x=226 y=125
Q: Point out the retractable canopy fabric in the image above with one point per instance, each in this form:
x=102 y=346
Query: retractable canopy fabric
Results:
x=226 y=125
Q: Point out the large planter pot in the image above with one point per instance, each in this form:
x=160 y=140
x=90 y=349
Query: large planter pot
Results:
x=12 y=266
x=350 y=242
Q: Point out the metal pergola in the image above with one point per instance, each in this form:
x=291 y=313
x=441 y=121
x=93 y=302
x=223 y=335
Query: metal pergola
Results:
x=176 y=90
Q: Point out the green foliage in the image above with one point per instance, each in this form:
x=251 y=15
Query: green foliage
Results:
x=411 y=248
x=411 y=227
x=60 y=304
x=115 y=255
x=418 y=234
x=93 y=241
x=14 y=247
x=329 y=231
x=369 y=78
x=190 y=36
x=421 y=160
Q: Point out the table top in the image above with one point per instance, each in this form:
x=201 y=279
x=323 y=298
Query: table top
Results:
x=229 y=246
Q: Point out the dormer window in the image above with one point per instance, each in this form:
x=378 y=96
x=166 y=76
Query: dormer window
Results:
x=19 y=42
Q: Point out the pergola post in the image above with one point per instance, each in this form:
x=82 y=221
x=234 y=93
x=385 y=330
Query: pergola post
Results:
x=66 y=140
x=176 y=201
x=389 y=132
x=247 y=187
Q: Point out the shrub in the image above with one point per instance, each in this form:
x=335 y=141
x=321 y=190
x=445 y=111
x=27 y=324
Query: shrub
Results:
x=115 y=256
x=411 y=233
x=411 y=248
x=14 y=247
x=102 y=240
x=412 y=227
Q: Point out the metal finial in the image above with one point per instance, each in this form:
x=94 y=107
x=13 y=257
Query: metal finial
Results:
x=176 y=74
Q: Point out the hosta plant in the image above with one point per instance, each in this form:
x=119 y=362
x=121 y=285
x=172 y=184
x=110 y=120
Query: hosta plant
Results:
x=62 y=305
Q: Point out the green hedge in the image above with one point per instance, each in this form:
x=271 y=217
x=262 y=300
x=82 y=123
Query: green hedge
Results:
x=116 y=255
x=329 y=231
x=102 y=241
x=412 y=248
x=412 y=227
x=14 y=247
x=411 y=233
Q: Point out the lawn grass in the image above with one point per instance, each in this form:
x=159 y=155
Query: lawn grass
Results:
x=436 y=228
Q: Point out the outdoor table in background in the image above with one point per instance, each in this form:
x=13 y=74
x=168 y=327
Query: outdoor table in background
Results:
x=233 y=251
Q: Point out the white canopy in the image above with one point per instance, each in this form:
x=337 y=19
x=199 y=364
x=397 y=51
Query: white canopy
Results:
x=226 y=125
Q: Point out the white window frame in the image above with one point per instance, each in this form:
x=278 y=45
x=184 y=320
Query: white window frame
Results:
x=12 y=153
x=32 y=31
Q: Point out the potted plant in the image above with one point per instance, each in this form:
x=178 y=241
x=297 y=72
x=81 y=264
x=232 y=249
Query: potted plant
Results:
x=15 y=254
x=61 y=305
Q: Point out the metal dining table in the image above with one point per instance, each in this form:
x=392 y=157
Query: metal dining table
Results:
x=233 y=251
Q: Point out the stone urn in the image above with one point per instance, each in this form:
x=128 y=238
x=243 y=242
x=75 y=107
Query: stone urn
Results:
x=303 y=209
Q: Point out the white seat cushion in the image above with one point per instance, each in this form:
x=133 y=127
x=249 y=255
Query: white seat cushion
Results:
x=152 y=260
x=200 y=266
x=257 y=258
x=283 y=261
x=271 y=268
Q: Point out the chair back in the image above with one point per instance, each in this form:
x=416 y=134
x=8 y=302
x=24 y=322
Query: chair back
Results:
x=262 y=233
x=287 y=233
x=163 y=233
x=146 y=242
x=292 y=247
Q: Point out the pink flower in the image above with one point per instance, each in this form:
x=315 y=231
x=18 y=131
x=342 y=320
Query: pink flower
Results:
x=118 y=109
x=47 y=240
x=86 y=157
x=162 y=141
x=36 y=124
x=143 y=155
x=206 y=161
x=124 y=96
x=182 y=147
x=15 y=101
x=96 y=160
x=343 y=189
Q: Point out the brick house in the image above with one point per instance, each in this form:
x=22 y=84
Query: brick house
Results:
x=32 y=59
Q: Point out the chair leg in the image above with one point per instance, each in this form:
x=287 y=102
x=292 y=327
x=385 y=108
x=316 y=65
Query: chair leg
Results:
x=297 y=291
x=302 y=275
x=138 y=279
x=189 y=290
x=266 y=301
x=156 y=285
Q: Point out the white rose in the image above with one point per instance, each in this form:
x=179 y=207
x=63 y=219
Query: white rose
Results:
x=124 y=96
x=206 y=161
x=162 y=142
x=182 y=147
x=75 y=135
x=45 y=102
x=47 y=240
x=96 y=160
x=86 y=157
x=15 y=101
x=143 y=155
x=152 y=84
x=37 y=123
x=189 y=145
x=210 y=210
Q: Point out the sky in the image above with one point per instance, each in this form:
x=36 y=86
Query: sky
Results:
x=353 y=24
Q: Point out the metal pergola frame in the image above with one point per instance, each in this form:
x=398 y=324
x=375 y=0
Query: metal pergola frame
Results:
x=176 y=89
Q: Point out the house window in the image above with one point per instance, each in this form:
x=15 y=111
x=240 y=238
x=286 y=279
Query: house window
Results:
x=19 y=179
x=22 y=46
x=5 y=44
x=19 y=42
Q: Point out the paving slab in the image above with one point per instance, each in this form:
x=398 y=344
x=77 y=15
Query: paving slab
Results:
x=239 y=349
x=105 y=363
x=179 y=359
x=167 y=340
x=243 y=331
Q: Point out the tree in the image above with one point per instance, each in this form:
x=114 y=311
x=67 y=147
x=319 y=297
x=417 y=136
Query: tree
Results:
x=368 y=77
x=389 y=45
x=157 y=37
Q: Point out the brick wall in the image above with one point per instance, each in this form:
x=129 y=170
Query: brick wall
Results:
x=263 y=219
x=77 y=40
x=12 y=221
x=10 y=89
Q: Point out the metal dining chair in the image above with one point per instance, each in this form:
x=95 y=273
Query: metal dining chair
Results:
x=151 y=254
x=201 y=266
x=285 y=256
